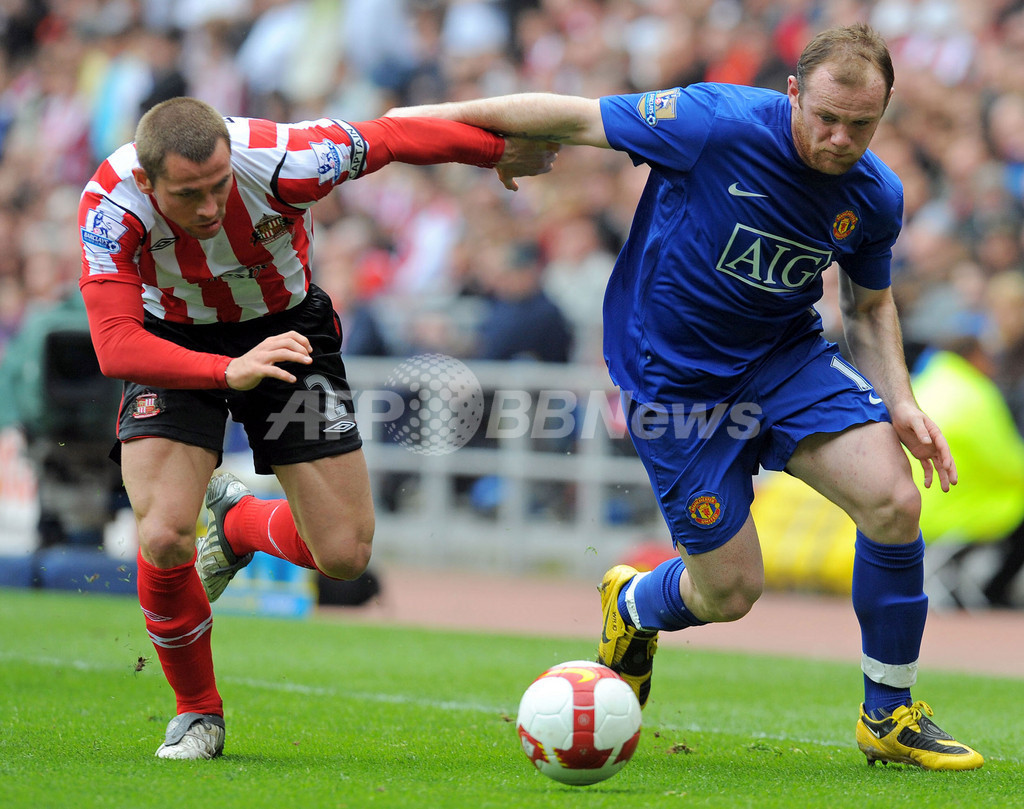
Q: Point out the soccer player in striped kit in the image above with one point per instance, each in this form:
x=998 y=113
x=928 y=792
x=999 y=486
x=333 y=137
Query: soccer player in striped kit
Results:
x=711 y=334
x=196 y=249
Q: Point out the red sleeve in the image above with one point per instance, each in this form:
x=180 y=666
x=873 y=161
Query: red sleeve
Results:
x=425 y=141
x=127 y=351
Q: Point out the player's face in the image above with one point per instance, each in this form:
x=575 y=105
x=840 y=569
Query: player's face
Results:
x=192 y=195
x=833 y=123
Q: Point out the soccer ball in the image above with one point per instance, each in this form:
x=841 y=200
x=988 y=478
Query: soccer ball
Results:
x=579 y=722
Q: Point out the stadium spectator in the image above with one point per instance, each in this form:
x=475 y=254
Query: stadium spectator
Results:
x=1006 y=338
x=701 y=312
x=196 y=278
x=168 y=80
x=348 y=269
x=987 y=505
x=520 y=321
x=576 y=275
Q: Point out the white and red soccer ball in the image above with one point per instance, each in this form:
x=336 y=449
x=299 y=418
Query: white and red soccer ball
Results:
x=579 y=722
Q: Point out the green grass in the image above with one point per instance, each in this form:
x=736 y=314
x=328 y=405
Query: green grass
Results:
x=324 y=714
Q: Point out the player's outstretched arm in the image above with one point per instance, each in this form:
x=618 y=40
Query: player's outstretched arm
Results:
x=425 y=140
x=571 y=120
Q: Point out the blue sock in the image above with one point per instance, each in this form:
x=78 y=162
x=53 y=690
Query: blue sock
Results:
x=889 y=600
x=656 y=602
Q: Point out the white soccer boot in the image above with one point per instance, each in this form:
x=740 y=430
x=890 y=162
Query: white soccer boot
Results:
x=193 y=736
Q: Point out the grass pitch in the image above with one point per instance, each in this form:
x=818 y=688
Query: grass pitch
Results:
x=324 y=714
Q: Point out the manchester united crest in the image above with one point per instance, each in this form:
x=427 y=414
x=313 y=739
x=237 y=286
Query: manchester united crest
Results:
x=704 y=509
x=844 y=224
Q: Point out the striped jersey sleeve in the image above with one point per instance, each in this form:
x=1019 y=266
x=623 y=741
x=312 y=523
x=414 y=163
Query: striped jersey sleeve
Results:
x=259 y=261
x=258 y=264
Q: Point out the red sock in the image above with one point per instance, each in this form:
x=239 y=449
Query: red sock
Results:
x=179 y=622
x=268 y=526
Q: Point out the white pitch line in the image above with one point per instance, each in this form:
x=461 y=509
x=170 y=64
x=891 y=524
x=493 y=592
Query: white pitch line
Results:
x=407 y=699
x=362 y=696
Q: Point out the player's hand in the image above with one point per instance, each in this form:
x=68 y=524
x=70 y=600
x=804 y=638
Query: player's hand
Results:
x=926 y=442
x=524 y=157
x=262 y=361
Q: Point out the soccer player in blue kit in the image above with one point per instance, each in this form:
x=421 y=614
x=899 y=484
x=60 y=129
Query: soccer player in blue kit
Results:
x=752 y=195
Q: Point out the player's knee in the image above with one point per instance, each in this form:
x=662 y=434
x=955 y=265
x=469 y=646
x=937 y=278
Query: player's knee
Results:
x=739 y=604
x=895 y=516
x=348 y=554
x=733 y=603
x=164 y=545
x=907 y=504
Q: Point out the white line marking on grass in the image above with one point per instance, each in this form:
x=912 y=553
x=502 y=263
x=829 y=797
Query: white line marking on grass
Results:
x=363 y=696
x=841 y=744
x=444 y=705
x=59 y=662
x=294 y=688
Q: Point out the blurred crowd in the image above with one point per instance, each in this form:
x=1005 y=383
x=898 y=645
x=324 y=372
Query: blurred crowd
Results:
x=443 y=258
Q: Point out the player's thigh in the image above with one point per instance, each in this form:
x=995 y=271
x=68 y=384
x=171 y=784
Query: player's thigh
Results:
x=865 y=471
x=330 y=499
x=166 y=481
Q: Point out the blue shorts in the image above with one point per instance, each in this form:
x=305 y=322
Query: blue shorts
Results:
x=702 y=456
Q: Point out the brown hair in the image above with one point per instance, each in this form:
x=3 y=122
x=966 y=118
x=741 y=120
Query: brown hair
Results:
x=852 y=48
x=183 y=126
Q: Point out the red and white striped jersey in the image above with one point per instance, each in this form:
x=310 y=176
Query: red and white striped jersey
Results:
x=259 y=262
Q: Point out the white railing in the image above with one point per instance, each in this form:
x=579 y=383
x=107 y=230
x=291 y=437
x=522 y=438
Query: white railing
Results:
x=603 y=507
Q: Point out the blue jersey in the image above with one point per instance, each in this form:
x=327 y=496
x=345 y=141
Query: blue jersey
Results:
x=723 y=262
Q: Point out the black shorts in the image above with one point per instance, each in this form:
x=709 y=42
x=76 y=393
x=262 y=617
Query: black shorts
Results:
x=285 y=423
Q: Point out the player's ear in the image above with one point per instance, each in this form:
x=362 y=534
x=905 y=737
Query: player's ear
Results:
x=142 y=181
x=793 y=91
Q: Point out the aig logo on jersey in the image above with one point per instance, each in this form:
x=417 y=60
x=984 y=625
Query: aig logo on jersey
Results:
x=659 y=106
x=769 y=262
x=101 y=232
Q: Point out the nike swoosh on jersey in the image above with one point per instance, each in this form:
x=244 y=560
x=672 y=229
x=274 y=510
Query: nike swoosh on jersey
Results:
x=874 y=399
x=736 y=191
